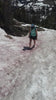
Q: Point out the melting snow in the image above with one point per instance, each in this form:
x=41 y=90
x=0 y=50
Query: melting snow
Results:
x=29 y=74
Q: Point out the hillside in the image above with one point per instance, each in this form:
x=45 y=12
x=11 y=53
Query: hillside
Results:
x=28 y=74
x=41 y=12
x=51 y=2
x=45 y=1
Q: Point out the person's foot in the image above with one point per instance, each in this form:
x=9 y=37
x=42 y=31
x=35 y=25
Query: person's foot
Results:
x=29 y=46
x=33 y=46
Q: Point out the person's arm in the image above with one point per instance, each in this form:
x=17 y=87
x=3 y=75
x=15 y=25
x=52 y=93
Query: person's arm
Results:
x=29 y=32
x=36 y=33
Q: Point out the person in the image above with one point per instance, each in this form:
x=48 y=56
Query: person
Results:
x=32 y=35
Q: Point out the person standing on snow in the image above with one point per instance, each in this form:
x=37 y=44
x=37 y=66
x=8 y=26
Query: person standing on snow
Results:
x=32 y=35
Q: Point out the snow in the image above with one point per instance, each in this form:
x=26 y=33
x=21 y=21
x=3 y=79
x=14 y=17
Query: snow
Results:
x=41 y=4
x=20 y=5
x=36 y=6
x=40 y=0
x=25 y=25
x=43 y=17
x=28 y=0
x=29 y=74
x=50 y=9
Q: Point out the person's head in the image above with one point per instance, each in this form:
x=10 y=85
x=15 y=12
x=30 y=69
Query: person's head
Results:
x=32 y=26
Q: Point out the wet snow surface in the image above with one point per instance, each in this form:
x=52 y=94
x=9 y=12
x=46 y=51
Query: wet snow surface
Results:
x=28 y=74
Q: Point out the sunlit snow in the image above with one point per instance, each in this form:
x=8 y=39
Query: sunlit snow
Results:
x=28 y=74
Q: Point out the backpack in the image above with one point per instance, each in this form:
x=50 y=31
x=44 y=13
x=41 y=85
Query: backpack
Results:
x=33 y=32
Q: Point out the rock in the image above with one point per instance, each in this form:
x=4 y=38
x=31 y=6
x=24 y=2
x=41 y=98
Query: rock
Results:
x=21 y=29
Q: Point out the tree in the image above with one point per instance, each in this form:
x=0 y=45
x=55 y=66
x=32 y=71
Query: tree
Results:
x=1 y=14
x=7 y=14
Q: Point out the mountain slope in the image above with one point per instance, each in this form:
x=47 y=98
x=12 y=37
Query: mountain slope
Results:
x=45 y=1
x=29 y=74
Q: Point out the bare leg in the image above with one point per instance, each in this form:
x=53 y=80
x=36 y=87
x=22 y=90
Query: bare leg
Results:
x=34 y=42
x=30 y=42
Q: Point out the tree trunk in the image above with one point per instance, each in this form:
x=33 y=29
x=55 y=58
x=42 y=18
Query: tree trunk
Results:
x=7 y=14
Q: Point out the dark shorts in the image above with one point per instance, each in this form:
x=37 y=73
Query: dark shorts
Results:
x=33 y=37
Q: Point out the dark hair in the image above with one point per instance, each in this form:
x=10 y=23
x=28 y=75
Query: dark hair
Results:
x=32 y=28
x=32 y=25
